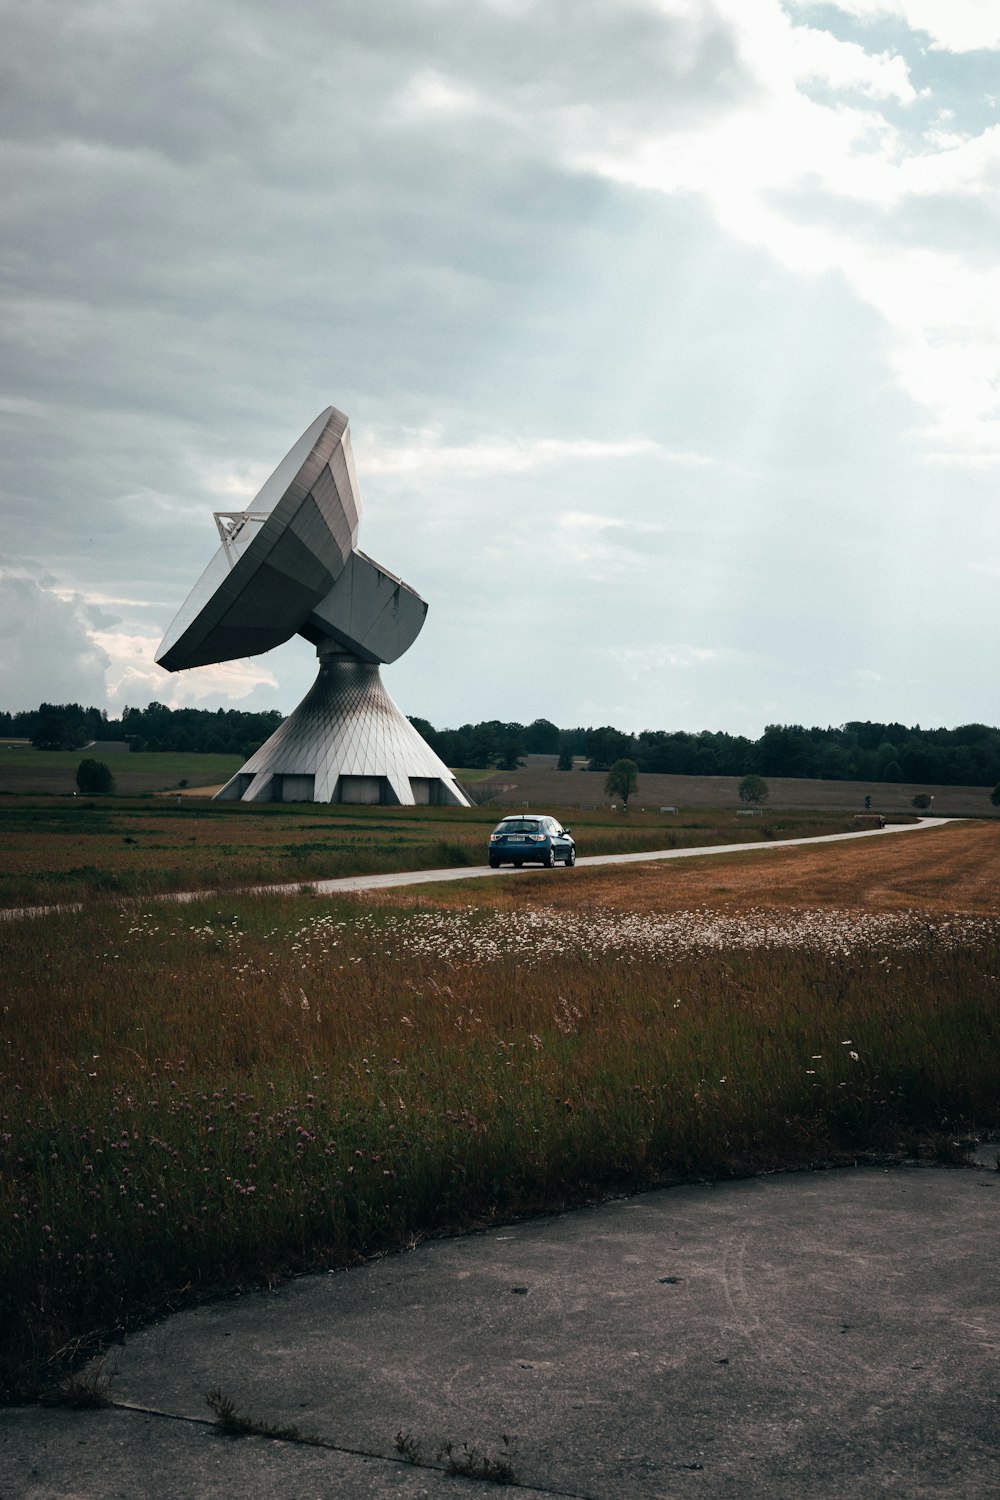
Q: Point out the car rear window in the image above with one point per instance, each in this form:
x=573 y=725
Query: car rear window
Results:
x=518 y=825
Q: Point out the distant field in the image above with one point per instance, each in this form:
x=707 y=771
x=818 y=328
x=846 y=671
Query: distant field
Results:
x=59 y=849
x=538 y=782
x=24 y=770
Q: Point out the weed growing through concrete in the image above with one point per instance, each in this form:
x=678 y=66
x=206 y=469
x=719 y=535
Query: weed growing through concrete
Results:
x=407 y=1447
x=235 y=1424
x=477 y=1463
x=88 y=1389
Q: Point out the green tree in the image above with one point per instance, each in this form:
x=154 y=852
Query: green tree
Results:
x=509 y=756
x=541 y=738
x=754 y=789
x=623 y=779
x=922 y=799
x=56 y=732
x=565 y=761
x=94 y=776
x=605 y=746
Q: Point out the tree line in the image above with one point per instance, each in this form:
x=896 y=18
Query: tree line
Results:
x=857 y=751
x=68 y=726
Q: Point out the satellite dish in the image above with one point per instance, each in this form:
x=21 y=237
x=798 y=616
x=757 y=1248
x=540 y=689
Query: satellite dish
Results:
x=277 y=559
x=289 y=565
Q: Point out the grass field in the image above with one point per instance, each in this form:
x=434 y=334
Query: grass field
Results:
x=59 y=849
x=24 y=771
x=537 y=781
x=199 y=1098
x=944 y=870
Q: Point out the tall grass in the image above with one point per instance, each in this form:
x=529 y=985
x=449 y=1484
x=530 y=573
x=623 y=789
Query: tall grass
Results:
x=57 y=852
x=195 y=1099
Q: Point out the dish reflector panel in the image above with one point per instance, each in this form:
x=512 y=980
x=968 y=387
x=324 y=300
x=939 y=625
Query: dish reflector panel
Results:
x=278 y=558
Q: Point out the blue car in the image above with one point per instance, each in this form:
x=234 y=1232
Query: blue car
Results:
x=534 y=839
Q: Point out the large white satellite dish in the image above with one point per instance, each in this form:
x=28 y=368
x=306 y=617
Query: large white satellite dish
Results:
x=289 y=565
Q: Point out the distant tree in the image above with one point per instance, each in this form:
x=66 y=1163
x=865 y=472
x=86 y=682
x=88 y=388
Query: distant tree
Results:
x=541 y=738
x=55 y=732
x=607 y=745
x=995 y=795
x=137 y=744
x=922 y=799
x=565 y=761
x=509 y=756
x=892 y=772
x=93 y=776
x=481 y=746
x=623 y=779
x=754 y=789
x=59 y=726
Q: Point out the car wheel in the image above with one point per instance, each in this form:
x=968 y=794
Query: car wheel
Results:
x=494 y=863
x=518 y=863
x=571 y=856
x=550 y=858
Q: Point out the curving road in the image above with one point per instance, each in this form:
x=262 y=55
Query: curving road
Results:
x=475 y=872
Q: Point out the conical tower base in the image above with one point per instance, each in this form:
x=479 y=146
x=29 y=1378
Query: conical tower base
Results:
x=346 y=742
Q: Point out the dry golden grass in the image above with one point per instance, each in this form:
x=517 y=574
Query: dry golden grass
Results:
x=953 y=868
x=208 y=1095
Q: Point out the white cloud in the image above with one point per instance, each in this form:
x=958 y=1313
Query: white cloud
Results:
x=428 y=94
x=818 y=57
x=493 y=456
x=133 y=676
x=49 y=649
x=953 y=25
x=824 y=186
x=639 y=661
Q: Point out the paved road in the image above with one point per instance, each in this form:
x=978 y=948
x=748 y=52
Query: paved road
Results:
x=815 y=1336
x=476 y=872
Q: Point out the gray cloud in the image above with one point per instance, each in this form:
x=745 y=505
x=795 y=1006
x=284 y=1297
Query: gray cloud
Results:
x=47 y=649
x=221 y=218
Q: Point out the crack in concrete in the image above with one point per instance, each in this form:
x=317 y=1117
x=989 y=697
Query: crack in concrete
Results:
x=314 y=1441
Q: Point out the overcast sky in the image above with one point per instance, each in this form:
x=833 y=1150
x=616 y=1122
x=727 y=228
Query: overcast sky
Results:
x=669 y=332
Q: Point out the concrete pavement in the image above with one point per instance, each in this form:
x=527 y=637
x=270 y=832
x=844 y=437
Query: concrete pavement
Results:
x=820 y=1335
